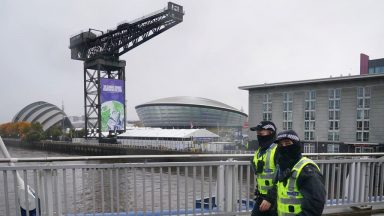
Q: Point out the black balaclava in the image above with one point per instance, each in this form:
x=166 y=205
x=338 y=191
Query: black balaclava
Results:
x=288 y=156
x=265 y=141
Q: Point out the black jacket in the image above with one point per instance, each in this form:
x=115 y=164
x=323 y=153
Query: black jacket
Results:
x=311 y=186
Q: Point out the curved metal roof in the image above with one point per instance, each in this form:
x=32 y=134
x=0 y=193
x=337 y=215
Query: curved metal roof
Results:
x=193 y=101
x=45 y=113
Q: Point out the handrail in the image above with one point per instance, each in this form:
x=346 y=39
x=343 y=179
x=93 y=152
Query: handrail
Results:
x=182 y=156
x=69 y=188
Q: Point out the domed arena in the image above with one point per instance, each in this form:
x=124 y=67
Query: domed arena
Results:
x=46 y=114
x=189 y=112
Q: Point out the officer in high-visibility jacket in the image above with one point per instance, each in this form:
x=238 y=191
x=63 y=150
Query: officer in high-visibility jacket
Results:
x=264 y=166
x=299 y=184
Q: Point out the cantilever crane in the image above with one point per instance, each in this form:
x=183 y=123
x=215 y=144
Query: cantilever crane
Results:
x=103 y=70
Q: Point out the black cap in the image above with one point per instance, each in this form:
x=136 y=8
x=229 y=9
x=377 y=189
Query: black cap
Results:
x=288 y=134
x=264 y=125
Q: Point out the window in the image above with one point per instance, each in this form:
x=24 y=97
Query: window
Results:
x=333 y=136
x=267 y=107
x=309 y=115
x=287 y=111
x=334 y=97
x=333 y=148
x=309 y=148
x=362 y=113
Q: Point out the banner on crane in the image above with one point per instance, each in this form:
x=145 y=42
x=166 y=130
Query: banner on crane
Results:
x=112 y=99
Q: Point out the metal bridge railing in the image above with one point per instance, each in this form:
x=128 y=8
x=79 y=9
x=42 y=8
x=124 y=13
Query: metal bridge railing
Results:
x=94 y=186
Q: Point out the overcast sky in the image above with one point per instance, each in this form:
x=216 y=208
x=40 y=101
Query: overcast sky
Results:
x=219 y=46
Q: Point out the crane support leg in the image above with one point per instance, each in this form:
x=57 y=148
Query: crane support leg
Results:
x=94 y=71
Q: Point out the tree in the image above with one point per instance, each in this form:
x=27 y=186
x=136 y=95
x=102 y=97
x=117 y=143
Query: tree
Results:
x=22 y=128
x=77 y=133
x=54 y=133
x=14 y=129
x=35 y=133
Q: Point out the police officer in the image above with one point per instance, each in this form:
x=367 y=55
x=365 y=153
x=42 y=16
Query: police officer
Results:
x=263 y=164
x=299 y=183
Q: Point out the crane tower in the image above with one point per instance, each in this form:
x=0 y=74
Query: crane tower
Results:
x=104 y=73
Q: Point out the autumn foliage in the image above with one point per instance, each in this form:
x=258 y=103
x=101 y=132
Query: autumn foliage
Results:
x=15 y=130
x=31 y=132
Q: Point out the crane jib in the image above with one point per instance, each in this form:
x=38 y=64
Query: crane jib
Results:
x=128 y=35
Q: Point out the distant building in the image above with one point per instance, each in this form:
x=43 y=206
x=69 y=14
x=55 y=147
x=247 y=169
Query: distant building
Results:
x=193 y=112
x=48 y=115
x=339 y=114
x=374 y=66
x=77 y=121
x=192 y=140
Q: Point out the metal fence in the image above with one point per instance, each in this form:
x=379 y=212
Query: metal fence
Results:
x=94 y=186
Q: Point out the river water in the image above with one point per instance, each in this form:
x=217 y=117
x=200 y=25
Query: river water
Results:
x=119 y=190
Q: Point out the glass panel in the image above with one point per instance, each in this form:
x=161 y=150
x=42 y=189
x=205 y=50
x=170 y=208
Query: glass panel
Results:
x=313 y=94
x=366 y=125
x=338 y=93
x=367 y=91
x=331 y=104
x=312 y=125
x=337 y=104
x=331 y=123
x=366 y=114
x=265 y=117
x=336 y=147
x=330 y=148
x=331 y=115
x=306 y=105
x=313 y=105
x=289 y=116
x=337 y=115
x=359 y=114
x=357 y=149
x=337 y=125
x=311 y=135
x=290 y=97
x=358 y=136
x=360 y=92
x=337 y=137
x=306 y=125
x=359 y=125
x=331 y=93
x=312 y=115
x=367 y=103
x=285 y=106
x=360 y=103
x=264 y=107
x=330 y=136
